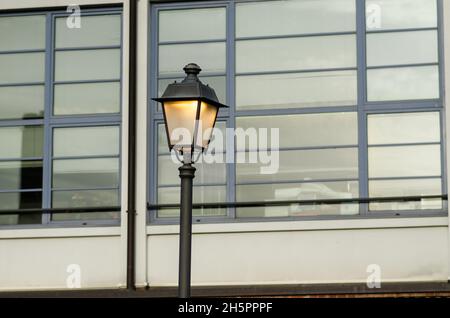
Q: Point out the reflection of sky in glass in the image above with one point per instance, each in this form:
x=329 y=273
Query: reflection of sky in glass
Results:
x=403 y=128
x=402 y=48
x=294 y=17
x=405 y=161
x=296 y=53
x=405 y=83
x=403 y=14
x=296 y=90
x=192 y=24
x=210 y=57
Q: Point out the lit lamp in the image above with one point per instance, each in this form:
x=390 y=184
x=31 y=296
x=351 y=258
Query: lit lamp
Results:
x=190 y=111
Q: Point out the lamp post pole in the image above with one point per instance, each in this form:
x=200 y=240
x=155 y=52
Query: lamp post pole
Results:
x=187 y=174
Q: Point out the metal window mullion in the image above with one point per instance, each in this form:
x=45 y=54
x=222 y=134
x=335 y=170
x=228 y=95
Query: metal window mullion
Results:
x=18 y=84
x=47 y=161
x=152 y=132
x=362 y=98
x=271 y=182
x=231 y=101
x=392 y=66
x=290 y=36
x=87 y=48
x=92 y=81
x=298 y=71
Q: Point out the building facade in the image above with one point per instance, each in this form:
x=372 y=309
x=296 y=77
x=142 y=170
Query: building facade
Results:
x=355 y=90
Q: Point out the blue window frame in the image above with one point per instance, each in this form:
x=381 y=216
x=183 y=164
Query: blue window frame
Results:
x=372 y=93
x=66 y=115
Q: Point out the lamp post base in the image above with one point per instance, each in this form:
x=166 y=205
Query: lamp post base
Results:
x=187 y=174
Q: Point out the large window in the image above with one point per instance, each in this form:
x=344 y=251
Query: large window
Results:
x=59 y=116
x=353 y=88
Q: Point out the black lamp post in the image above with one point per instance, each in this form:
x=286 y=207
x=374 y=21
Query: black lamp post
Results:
x=190 y=111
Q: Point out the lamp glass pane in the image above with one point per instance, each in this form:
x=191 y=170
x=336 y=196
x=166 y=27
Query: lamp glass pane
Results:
x=180 y=119
x=208 y=115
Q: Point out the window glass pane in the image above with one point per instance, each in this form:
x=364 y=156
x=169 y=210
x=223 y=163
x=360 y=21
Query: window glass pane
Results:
x=24 y=200
x=307 y=130
x=85 y=198
x=210 y=57
x=296 y=90
x=20 y=175
x=206 y=172
x=294 y=17
x=101 y=30
x=404 y=128
x=86 y=141
x=302 y=165
x=218 y=83
x=397 y=48
x=404 y=83
x=200 y=195
x=405 y=161
x=21 y=142
x=22 y=68
x=89 y=98
x=405 y=188
x=22 y=32
x=87 y=65
x=86 y=173
x=298 y=191
x=21 y=200
x=400 y=14
x=302 y=53
x=19 y=102
x=192 y=24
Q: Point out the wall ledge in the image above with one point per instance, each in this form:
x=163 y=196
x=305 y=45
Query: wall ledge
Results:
x=322 y=225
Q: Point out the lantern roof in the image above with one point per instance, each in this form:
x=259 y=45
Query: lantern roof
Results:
x=191 y=88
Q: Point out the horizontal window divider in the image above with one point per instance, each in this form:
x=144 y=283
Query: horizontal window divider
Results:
x=402 y=65
x=192 y=42
x=297 y=35
x=297 y=202
x=314 y=70
x=84 y=189
x=85 y=121
x=402 y=30
x=62 y=210
x=404 y=178
x=22 y=159
x=295 y=111
x=265 y=182
x=403 y=106
x=90 y=12
x=87 y=48
x=21 y=122
x=23 y=51
x=116 y=156
x=93 y=81
x=299 y=148
x=405 y=144
x=21 y=190
x=168 y=154
x=181 y=76
x=194 y=185
x=22 y=84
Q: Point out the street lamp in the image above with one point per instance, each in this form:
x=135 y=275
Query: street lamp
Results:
x=190 y=111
